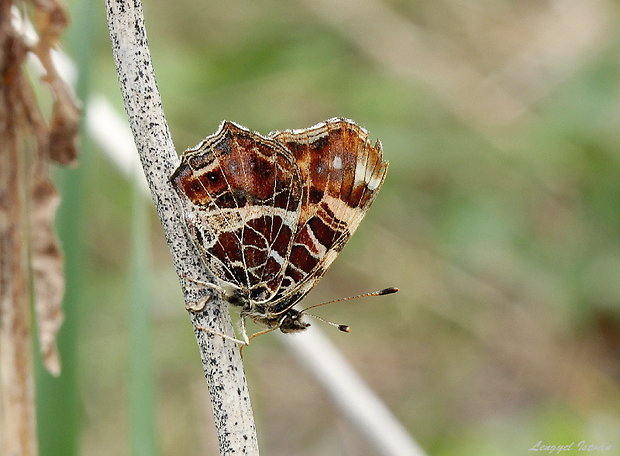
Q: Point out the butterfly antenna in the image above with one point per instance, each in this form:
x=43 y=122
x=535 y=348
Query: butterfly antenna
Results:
x=343 y=328
x=346 y=328
x=385 y=291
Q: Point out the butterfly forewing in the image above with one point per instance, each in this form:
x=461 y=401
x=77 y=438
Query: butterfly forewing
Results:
x=242 y=196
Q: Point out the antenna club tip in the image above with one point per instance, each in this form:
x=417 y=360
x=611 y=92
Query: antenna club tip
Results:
x=388 y=291
x=344 y=328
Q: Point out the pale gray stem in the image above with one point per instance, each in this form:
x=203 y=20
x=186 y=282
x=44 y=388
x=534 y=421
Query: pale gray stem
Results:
x=220 y=357
x=357 y=402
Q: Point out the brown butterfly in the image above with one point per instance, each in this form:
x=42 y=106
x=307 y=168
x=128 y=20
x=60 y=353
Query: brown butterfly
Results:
x=270 y=214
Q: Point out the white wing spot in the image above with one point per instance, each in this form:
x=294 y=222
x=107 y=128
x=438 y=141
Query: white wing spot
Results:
x=276 y=256
x=375 y=181
x=337 y=162
x=360 y=170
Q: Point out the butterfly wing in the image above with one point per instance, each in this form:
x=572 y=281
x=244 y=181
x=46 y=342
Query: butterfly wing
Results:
x=241 y=196
x=341 y=173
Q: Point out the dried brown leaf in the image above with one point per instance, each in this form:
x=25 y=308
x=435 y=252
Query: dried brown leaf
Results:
x=51 y=19
x=58 y=143
x=47 y=268
x=64 y=129
x=55 y=139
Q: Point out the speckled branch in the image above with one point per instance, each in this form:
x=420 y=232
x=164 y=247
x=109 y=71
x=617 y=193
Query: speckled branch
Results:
x=221 y=361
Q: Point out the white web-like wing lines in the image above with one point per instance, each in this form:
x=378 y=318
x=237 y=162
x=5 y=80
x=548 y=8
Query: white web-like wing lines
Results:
x=224 y=217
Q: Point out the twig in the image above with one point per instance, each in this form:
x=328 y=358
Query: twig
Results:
x=221 y=361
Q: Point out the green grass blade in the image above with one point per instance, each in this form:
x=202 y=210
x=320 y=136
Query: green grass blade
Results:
x=58 y=398
x=141 y=376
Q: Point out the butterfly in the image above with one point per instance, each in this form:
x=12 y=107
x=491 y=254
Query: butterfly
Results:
x=269 y=214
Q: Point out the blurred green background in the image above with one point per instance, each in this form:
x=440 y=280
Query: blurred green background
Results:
x=499 y=220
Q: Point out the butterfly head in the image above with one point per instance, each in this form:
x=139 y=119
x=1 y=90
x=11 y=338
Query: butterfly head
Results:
x=292 y=321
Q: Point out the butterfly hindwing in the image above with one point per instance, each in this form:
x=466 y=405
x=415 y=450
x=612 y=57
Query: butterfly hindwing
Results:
x=341 y=173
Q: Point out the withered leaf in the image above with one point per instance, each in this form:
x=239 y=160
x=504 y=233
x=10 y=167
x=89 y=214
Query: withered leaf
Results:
x=47 y=268
x=64 y=129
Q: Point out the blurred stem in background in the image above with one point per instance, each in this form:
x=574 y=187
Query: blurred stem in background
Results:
x=141 y=374
x=58 y=403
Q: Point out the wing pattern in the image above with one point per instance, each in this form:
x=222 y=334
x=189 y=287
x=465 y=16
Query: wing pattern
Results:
x=341 y=173
x=270 y=214
x=242 y=197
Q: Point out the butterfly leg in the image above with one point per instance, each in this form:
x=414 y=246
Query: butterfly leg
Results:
x=260 y=333
x=203 y=283
x=225 y=336
x=244 y=332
